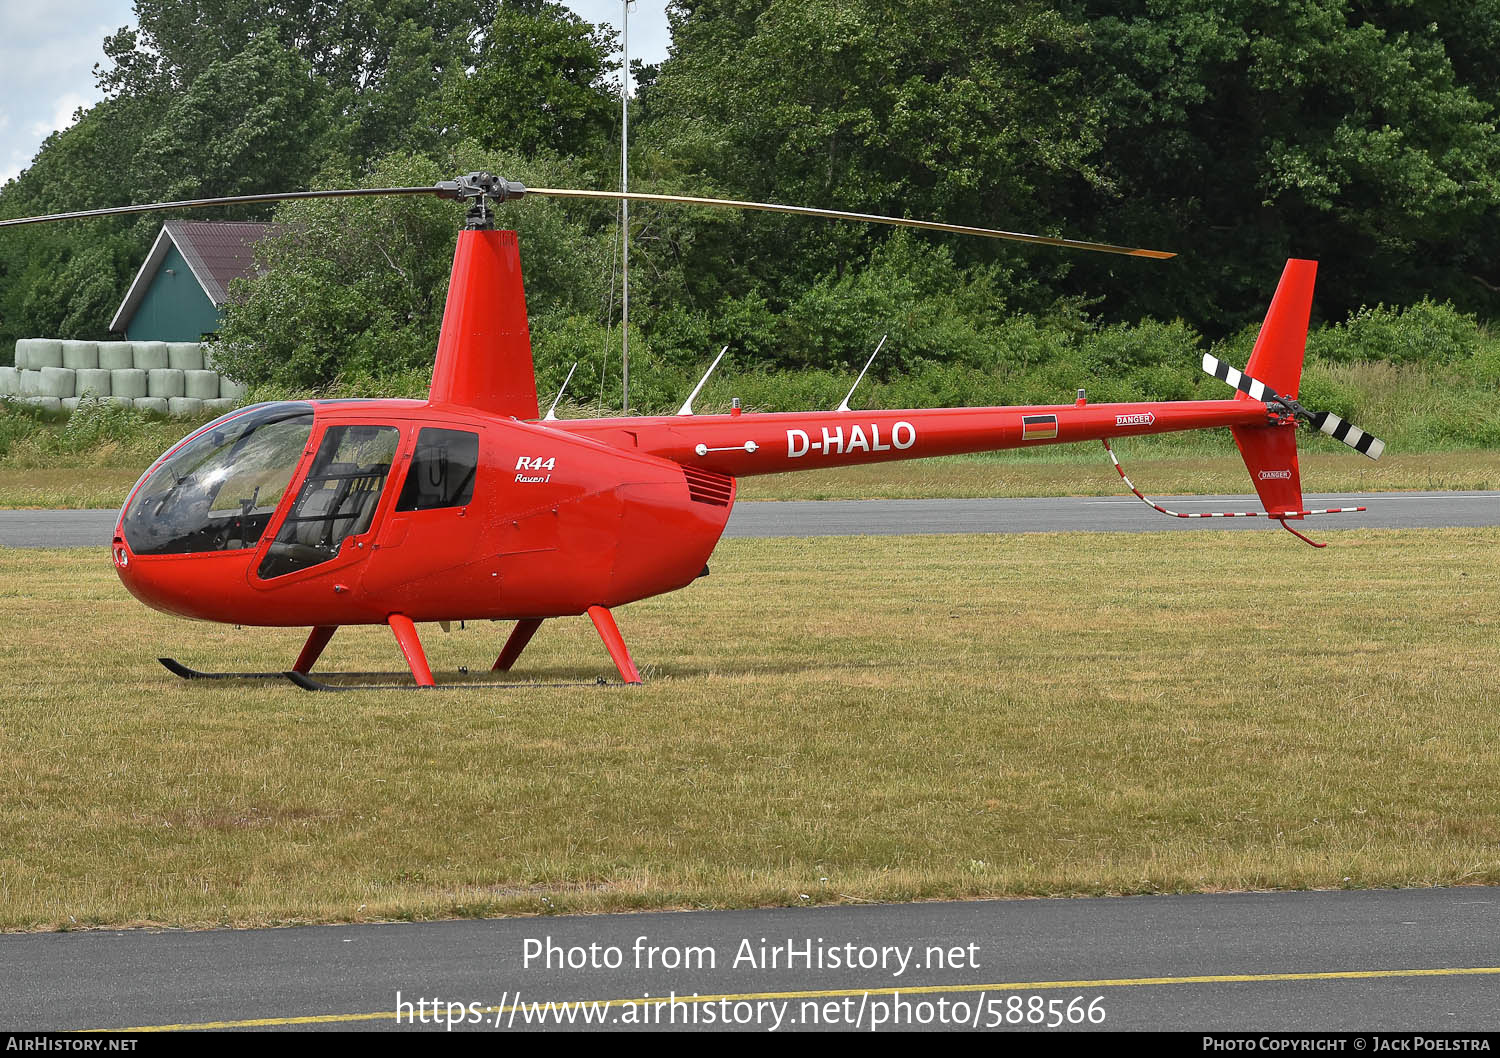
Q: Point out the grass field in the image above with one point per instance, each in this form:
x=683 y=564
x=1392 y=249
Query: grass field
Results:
x=1210 y=465
x=839 y=719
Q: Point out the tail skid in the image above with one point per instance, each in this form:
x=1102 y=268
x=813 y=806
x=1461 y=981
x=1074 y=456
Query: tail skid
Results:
x=1280 y=516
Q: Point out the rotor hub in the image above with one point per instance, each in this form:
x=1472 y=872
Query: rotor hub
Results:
x=479 y=189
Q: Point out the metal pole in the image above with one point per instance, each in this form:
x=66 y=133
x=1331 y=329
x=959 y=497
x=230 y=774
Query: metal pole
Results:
x=625 y=205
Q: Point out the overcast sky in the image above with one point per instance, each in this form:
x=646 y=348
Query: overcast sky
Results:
x=47 y=58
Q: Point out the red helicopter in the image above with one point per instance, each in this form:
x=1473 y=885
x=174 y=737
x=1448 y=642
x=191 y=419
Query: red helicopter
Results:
x=468 y=506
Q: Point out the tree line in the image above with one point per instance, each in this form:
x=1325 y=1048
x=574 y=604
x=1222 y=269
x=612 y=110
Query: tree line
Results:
x=1236 y=132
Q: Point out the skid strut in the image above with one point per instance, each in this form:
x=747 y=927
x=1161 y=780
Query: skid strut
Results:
x=1279 y=516
x=613 y=642
x=519 y=637
x=411 y=649
x=313 y=648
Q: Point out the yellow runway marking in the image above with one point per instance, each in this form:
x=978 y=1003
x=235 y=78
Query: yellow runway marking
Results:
x=838 y=993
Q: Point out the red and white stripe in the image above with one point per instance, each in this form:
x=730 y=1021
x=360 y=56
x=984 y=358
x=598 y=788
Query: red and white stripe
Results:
x=1281 y=516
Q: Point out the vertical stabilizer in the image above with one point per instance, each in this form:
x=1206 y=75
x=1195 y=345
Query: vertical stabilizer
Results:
x=484 y=351
x=1282 y=342
x=1270 y=452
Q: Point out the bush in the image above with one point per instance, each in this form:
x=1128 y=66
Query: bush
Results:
x=1427 y=332
x=96 y=420
x=17 y=420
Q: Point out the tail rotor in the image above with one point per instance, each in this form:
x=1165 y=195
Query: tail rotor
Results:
x=1341 y=430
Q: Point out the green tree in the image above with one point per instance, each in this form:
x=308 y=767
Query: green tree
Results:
x=538 y=83
x=67 y=278
x=376 y=62
x=354 y=288
x=961 y=111
x=1242 y=132
x=249 y=124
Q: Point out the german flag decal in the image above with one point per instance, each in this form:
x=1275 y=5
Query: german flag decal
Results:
x=1038 y=427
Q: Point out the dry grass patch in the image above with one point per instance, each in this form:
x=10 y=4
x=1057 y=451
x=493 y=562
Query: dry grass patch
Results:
x=831 y=719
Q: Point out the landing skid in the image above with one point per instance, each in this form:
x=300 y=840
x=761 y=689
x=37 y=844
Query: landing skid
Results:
x=177 y=668
x=308 y=683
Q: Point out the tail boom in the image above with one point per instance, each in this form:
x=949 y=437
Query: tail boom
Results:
x=776 y=443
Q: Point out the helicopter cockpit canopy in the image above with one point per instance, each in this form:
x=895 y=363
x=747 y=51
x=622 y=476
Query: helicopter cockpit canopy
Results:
x=219 y=491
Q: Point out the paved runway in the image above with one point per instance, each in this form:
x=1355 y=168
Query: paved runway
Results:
x=1401 y=960
x=1389 y=510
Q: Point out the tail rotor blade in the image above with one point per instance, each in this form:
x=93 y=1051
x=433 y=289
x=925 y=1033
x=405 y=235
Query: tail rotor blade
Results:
x=1366 y=444
x=1238 y=379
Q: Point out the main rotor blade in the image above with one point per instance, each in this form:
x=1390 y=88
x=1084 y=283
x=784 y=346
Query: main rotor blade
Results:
x=500 y=190
x=197 y=203
x=870 y=218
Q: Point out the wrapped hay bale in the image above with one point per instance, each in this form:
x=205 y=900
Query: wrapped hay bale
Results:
x=45 y=352
x=116 y=356
x=10 y=382
x=150 y=356
x=202 y=384
x=47 y=403
x=80 y=355
x=185 y=356
x=151 y=404
x=120 y=402
x=31 y=384
x=231 y=390
x=131 y=382
x=219 y=404
x=166 y=383
x=92 y=381
x=70 y=404
x=23 y=353
x=57 y=381
x=184 y=406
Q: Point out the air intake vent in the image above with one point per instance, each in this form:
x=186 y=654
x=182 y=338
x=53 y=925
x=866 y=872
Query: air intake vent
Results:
x=704 y=486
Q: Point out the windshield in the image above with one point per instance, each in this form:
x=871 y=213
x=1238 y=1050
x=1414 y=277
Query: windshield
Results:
x=218 y=491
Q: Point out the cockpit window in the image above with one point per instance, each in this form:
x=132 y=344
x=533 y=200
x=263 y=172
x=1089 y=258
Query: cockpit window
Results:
x=337 y=500
x=218 y=491
x=442 y=471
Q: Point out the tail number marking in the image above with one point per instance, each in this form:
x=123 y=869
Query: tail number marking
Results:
x=833 y=442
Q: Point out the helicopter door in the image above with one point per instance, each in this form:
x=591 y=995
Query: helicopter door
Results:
x=337 y=500
x=439 y=514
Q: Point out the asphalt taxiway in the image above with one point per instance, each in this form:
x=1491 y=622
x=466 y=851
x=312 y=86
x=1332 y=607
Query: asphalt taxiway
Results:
x=1386 y=510
x=1394 y=960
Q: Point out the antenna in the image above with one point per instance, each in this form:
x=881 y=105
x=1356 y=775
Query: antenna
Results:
x=687 y=405
x=845 y=406
x=552 y=411
x=625 y=206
